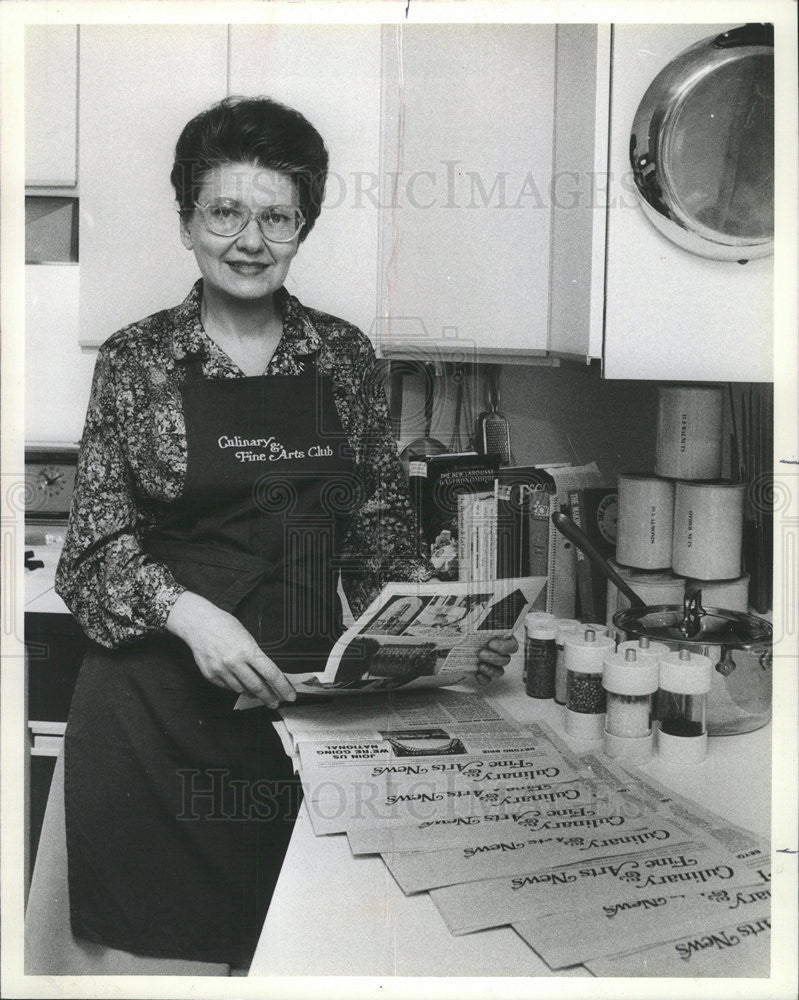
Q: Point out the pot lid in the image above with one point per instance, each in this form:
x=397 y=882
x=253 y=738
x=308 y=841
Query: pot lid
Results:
x=717 y=627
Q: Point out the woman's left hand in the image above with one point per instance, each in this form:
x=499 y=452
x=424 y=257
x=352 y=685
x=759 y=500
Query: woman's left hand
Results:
x=494 y=657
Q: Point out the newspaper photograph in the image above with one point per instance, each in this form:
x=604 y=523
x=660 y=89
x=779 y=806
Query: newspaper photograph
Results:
x=419 y=635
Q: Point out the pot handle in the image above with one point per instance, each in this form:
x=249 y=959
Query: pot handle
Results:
x=567 y=527
x=692 y=612
x=747 y=34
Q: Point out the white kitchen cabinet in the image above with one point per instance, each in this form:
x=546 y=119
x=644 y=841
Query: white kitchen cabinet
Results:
x=140 y=84
x=331 y=73
x=579 y=178
x=671 y=314
x=466 y=161
x=51 y=105
x=665 y=313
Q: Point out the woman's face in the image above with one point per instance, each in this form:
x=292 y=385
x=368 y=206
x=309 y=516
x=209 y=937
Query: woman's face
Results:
x=243 y=267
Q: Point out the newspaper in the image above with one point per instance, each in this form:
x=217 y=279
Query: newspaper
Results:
x=419 y=635
x=672 y=822
x=474 y=906
x=741 y=948
x=557 y=808
x=404 y=709
x=398 y=780
x=594 y=931
x=492 y=857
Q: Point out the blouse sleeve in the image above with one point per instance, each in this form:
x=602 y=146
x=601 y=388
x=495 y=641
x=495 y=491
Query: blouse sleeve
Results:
x=380 y=545
x=115 y=591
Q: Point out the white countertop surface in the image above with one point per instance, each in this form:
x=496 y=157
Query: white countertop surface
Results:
x=334 y=914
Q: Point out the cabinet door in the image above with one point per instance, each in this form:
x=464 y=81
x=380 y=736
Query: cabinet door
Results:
x=331 y=73
x=51 y=105
x=669 y=313
x=579 y=170
x=140 y=84
x=465 y=175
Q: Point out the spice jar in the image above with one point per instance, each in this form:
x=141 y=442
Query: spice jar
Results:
x=630 y=684
x=683 y=684
x=644 y=647
x=564 y=627
x=539 y=661
x=585 y=653
x=532 y=620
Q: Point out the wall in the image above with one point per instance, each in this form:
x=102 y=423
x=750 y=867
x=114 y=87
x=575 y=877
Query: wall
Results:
x=57 y=372
x=555 y=414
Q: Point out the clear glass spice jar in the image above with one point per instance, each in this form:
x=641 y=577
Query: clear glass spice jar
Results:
x=539 y=661
x=630 y=684
x=563 y=627
x=684 y=680
x=534 y=619
x=584 y=654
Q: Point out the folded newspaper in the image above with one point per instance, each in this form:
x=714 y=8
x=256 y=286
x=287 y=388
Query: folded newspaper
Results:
x=419 y=635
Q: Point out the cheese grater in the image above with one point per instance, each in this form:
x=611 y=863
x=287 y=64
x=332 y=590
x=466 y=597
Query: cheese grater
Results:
x=493 y=432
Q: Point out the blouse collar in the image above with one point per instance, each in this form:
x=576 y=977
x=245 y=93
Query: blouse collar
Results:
x=300 y=336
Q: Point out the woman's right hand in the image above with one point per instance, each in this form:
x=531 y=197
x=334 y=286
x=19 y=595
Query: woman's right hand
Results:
x=225 y=652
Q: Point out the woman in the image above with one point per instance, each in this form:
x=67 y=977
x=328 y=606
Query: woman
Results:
x=237 y=456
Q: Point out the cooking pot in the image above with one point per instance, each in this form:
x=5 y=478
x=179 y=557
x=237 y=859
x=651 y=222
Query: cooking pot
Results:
x=702 y=146
x=739 y=647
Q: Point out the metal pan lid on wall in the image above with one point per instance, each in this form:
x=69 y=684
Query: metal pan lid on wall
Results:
x=702 y=146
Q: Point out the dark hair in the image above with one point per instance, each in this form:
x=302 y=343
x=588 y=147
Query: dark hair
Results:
x=254 y=130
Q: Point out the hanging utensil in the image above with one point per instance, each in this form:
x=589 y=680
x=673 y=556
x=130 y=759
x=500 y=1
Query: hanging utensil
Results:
x=455 y=440
x=425 y=445
x=468 y=411
x=493 y=431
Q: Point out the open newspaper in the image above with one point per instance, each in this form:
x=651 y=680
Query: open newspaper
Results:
x=419 y=635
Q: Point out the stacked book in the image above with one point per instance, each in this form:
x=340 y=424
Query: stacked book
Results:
x=477 y=521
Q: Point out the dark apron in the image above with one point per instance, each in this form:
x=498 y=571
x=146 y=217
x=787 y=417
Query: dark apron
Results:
x=179 y=810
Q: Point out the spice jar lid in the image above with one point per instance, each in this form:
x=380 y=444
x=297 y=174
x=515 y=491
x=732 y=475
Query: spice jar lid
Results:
x=685 y=672
x=653 y=649
x=585 y=651
x=597 y=627
x=544 y=632
x=564 y=630
x=533 y=618
x=623 y=676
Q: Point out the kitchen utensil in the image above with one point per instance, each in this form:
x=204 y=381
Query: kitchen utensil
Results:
x=493 y=433
x=455 y=440
x=567 y=527
x=738 y=645
x=702 y=146
x=425 y=445
x=468 y=411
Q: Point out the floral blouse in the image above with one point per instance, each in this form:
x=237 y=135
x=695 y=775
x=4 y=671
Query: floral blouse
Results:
x=132 y=464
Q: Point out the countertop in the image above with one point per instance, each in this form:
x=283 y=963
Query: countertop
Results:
x=334 y=914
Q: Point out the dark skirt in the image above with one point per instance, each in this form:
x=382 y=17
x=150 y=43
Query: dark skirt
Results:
x=179 y=810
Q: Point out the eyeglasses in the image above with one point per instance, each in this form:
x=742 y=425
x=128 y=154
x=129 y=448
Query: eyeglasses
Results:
x=226 y=217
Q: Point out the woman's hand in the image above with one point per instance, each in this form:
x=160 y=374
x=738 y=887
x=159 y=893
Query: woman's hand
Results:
x=494 y=657
x=225 y=652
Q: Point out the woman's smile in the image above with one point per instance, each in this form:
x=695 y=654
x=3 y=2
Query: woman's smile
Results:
x=247 y=267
